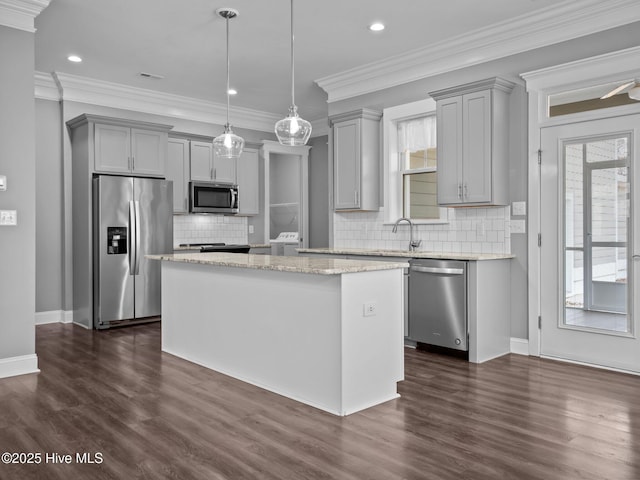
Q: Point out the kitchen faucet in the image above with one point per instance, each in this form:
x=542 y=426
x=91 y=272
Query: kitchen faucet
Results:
x=413 y=244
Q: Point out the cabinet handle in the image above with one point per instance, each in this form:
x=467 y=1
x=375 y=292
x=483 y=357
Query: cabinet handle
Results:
x=185 y=205
x=133 y=163
x=460 y=191
x=356 y=198
x=128 y=163
x=466 y=193
x=214 y=174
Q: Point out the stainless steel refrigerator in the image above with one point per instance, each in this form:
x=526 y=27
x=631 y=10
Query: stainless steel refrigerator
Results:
x=133 y=217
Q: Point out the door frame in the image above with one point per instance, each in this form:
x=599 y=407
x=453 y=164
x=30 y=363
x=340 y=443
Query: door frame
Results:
x=598 y=70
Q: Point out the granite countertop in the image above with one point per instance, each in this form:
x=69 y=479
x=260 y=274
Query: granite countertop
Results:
x=407 y=254
x=295 y=264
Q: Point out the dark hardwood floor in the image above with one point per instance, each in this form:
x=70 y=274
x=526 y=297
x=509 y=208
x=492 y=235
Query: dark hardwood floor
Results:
x=151 y=415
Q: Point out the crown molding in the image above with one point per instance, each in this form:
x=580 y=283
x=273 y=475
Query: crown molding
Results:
x=558 y=23
x=60 y=86
x=20 y=14
x=614 y=66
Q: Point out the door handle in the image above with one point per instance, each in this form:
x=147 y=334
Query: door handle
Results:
x=445 y=271
x=636 y=257
x=132 y=237
x=137 y=262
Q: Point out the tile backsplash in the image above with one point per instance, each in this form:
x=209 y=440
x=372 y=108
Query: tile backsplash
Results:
x=209 y=228
x=471 y=230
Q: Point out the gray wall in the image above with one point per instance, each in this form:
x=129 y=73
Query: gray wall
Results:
x=49 y=212
x=17 y=162
x=319 y=192
x=509 y=68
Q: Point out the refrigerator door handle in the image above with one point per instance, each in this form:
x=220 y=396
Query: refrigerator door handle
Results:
x=137 y=236
x=132 y=238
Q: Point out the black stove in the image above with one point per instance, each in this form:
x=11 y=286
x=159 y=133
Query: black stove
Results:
x=219 y=247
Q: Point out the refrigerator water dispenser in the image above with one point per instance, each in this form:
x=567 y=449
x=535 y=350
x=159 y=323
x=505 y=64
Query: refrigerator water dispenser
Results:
x=116 y=240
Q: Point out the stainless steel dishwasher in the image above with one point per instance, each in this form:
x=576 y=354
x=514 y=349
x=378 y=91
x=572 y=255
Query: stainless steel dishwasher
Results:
x=438 y=302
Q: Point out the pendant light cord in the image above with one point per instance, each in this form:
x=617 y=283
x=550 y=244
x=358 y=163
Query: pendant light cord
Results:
x=227 y=18
x=293 y=99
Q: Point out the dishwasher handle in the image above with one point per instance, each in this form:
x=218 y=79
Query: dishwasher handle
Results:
x=443 y=271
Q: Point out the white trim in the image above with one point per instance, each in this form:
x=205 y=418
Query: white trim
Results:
x=21 y=365
x=20 y=14
x=45 y=87
x=593 y=365
x=558 y=23
x=54 y=316
x=519 y=346
x=539 y=84
x=59 y=86
x=392 y=196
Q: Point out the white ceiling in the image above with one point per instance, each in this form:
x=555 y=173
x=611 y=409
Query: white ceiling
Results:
x=184 y=41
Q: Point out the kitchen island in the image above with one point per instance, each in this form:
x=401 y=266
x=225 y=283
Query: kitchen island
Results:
x=326 y=332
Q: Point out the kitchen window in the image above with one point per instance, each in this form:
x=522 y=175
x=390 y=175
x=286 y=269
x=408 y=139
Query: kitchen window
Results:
x=418 y=163
x=411 y=163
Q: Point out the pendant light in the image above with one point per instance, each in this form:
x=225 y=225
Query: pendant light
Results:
x=228 y=145
x=293 y=130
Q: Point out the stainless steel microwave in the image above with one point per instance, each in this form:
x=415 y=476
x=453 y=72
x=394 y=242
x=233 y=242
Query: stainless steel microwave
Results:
x=210 y=197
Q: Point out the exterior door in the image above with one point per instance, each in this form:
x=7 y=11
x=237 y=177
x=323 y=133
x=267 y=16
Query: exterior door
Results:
x=590 y=240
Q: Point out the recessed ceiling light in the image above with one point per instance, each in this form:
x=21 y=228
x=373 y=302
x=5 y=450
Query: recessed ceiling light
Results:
x=74 y=58
x=233 y=91
x=376 y=27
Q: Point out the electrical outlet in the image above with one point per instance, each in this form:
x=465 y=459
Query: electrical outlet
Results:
x=370 y=309
x=250 y=228
x=8 y=217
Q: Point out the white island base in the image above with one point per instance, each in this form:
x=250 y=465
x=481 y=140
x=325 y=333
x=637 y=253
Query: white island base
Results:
x=301 y=335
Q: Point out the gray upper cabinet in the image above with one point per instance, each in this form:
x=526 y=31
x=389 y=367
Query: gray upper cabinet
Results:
x=205 y=166
x=119 y=146
x=201 y=161
x=356 y=160
x=248 y=182
x=131 y=150
x=473 y=143
x=178 y=172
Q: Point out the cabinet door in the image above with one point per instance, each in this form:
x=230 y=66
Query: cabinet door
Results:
x=149 y=152
x=178 y=172
x=476 y=147
x=224 y=170
x=201 y=161
x=248 y=183
x=449 y=138
x=112 y=149
x=346 y=164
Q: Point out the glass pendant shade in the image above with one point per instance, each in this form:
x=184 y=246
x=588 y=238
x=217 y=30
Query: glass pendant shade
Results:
x=293 y=130
x=228 y=145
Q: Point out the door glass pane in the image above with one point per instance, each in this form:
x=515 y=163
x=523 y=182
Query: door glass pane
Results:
x=574 y=279
x=596 y=229
x=574 y=187
x=609 y=203
x=608 y=149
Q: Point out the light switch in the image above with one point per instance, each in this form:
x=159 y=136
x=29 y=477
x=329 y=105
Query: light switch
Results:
x=518 y=208
x=8 y=217
x=518 y=226
x=3 y=183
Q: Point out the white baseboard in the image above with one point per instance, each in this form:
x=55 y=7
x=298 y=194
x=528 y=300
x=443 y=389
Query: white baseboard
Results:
x=520 y=346
x=54 y=316
x=10 y=367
